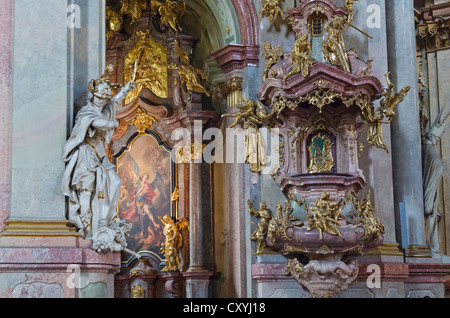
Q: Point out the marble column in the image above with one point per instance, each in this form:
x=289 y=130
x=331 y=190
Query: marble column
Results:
x=197 y=276
x=406 y=135
x=39 y=251
x=6 y=60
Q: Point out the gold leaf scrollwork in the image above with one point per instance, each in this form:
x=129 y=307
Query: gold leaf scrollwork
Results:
x=142 y=121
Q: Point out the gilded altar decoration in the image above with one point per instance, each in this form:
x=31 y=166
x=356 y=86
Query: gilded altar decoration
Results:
x=147 y=63
x=259 y=235
x=300 y=57
x=383 y=115
x=137 y=291
x=172 y=242
x=435 y=34
x=185 y=153
x=272 y=55
x=356 y=212
x=193 y=78
x=114 y=22
x=325 y=216
x=133 y=8
x=170 y=12
x=334 y=47
x=271 y=9
x=321 y=154
x=142 y=121
x=251 y=116
x=90 y=180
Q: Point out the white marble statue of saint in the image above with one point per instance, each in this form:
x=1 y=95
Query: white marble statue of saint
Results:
x=90 y=179
x=433 y=170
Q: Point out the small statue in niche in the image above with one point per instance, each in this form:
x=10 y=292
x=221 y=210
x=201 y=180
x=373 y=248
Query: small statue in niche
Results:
x=172 y=242
x=321 y=154
x=261 y=231
x=301 y=57
x=90 y=179
x=433 y=170
x=272 y=55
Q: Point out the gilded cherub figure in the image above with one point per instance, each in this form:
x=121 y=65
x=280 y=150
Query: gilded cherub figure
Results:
x=170 y=11
x=272 y=55
x=271 y=9
x=260 y=233
x=173 y=242
x=301 y=57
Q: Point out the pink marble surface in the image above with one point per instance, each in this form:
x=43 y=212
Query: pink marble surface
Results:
x=6 y=40
x=248 y=21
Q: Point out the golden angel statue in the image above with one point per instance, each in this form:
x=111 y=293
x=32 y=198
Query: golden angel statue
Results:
x=192 y=77
x=172 y=242
x=384 y=114
x=170 y=11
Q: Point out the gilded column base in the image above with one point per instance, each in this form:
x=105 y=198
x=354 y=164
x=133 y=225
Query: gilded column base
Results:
x=386 y=249
x=38 y=228
x=418 y=251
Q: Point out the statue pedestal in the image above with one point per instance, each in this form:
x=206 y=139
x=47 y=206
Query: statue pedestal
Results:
x=55 y=267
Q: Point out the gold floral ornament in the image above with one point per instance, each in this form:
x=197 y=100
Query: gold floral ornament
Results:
x=146 y=63
x=142 y=121
x=133 y=8
x=374 y=118
x=172 y=242
x=170 y=12
x=192 y=77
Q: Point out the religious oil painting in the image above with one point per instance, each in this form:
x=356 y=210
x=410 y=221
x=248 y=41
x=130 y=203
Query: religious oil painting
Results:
x=145 y=167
